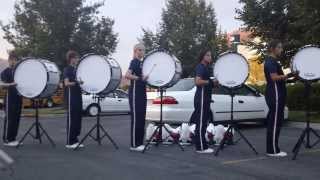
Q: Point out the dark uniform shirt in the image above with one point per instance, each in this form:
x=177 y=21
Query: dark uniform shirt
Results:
x=203 y=72
x=135 y=67
x=271 y=65
x=7 y=77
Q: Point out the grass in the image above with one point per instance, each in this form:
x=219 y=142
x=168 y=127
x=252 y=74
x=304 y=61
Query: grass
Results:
x=299 y=116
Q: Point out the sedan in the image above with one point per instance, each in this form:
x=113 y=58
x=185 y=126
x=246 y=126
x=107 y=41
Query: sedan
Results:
x=115 y=102
x=248 y=103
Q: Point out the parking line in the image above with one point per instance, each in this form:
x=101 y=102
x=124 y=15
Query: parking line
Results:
x=243 y=160
x=311 y=151
x=263 y=158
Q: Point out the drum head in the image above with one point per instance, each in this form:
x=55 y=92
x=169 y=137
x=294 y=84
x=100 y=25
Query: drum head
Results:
x=307 y=62
x=231 y=70
x=160 y=67
x=31 y=78
x=95 y=72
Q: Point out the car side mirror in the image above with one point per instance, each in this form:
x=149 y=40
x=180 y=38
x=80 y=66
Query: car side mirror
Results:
x=257 y=93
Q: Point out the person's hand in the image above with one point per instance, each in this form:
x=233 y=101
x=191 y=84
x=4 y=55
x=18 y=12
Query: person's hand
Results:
x=293 y=74
x=215 y=82
x=13 y=84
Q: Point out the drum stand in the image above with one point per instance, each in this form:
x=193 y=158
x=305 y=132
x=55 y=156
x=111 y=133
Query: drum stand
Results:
x=308 y=130
x=39 y=130
x=233 y=126
x=159 y=125
x=98 y=127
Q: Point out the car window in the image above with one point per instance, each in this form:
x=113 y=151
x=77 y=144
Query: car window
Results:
x=220 y=90
x=121 y=94
x=244 y=91
x=183 y=85
x=110 y=95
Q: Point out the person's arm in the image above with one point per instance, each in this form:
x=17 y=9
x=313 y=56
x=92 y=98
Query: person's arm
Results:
x=129 y=75
x=5 y=80
x=276 y=77
x=200 y=82
x=68 y=83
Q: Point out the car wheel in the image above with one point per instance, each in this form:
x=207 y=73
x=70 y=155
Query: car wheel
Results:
x=49 y=103
x=93 y=110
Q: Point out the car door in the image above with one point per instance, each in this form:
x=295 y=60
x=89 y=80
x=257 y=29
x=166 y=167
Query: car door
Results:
x=108 y=103
x=248 y=104
x=221 y=104
x=122 y=101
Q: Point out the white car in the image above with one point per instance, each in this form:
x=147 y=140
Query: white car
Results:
x=249 y=104
x=115 y=102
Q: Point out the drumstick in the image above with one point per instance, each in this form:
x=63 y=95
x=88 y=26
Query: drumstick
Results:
x=154 y=65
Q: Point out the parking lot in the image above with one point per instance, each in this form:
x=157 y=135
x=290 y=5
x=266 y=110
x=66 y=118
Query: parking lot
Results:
x=42 y=162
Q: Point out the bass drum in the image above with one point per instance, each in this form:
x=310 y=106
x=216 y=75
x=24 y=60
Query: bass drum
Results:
x=36 y=78
x=307 y=62
x=231 y=70
x=164 y=70
x=99 y=74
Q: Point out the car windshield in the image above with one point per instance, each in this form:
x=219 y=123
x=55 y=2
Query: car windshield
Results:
x=182 y=85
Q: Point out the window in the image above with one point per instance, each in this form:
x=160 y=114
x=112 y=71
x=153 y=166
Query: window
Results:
x=220 y=90
x=183 y=85
x=120 y=94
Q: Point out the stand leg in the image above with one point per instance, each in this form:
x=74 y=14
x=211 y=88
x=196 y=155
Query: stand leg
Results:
x=246 y=140
x=150 y=139
x=223 y=141
x=26 y=134
x=109 y=137
x=175 y=140
x=297 y=147
x=47 y=135
x=86 y=136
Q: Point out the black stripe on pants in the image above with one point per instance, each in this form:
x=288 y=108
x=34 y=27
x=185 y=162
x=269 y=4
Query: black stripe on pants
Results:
x=74 y=117
x=13 y=104
x=202 y=110
x=275 y=117
x=137 y=101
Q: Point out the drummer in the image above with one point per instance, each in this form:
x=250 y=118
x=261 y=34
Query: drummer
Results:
x=137 y=98
x=13 y=103
x=276 y=94
x=202 y=100
x=73 y=97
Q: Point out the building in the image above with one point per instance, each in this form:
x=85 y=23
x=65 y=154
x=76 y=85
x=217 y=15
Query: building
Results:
x=256 y=68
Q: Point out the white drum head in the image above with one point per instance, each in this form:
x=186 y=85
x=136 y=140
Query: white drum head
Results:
x=231 y=70
x=31 y=78
x=95 y=72
x=160 y=67
x=307 y=62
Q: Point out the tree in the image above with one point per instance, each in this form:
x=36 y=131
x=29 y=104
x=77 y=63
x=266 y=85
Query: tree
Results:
x=186 y=28
x=294 y=22
x=49 y=28
x=221 y=42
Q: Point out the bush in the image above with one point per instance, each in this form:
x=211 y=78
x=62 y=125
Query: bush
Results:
x=296 y=99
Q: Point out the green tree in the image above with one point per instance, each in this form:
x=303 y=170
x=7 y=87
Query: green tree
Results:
x=294 y=22
x=186 y=28
x=49 y=28
x=221 y=42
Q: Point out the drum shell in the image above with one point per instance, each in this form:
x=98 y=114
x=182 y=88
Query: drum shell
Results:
x=293 y=69
x=52 y=80
x=115 y=73
x=245 y=79
x=177 y=74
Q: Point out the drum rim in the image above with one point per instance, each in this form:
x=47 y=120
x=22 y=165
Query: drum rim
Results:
x=293 y=57
x=106 y=59
x=234 y=52
x=167 y=85
x=39 y=60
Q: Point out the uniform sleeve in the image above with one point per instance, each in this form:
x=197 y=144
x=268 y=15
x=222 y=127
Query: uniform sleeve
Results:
x=67 y=73
x=134 y=67
x=4 y=76
x=200 y=72
x=271 y=68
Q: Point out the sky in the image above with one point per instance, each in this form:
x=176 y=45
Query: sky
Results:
x=130 y=17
